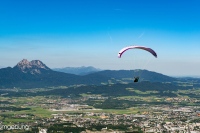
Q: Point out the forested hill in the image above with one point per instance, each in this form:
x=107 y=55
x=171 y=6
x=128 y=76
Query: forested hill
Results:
x=154 y=89
x=144 y=75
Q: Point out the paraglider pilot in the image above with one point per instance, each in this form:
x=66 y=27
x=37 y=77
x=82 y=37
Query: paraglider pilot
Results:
x=136 y=79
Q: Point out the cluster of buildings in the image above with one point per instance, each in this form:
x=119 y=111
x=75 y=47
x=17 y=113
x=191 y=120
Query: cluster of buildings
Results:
x=158 y=119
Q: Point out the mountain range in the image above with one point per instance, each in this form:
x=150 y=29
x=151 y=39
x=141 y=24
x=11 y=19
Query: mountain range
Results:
x=77 y=70
x=35 y=74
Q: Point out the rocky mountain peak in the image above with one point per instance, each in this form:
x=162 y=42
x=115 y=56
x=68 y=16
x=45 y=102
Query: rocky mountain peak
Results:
x=23 y=62
x=38 y=64
x=33 y=67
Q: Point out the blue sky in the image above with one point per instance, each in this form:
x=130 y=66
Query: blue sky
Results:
x=73 y=33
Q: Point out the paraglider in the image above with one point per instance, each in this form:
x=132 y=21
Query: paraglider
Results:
x=137 y=47
x=136 y=79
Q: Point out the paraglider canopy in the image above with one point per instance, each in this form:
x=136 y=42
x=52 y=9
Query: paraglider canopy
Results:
x=137 y=47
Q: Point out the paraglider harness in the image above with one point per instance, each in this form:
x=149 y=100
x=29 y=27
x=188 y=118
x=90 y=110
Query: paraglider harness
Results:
x=136 y=79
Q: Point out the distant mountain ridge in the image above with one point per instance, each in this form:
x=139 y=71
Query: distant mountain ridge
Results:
x=144 y=75
x=78 y=70
x=35 y=74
